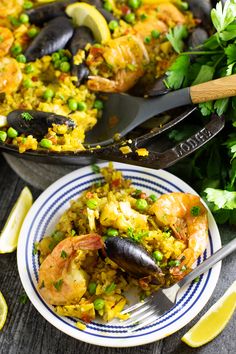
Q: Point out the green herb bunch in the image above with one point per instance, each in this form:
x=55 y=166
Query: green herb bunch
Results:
x=212 y=169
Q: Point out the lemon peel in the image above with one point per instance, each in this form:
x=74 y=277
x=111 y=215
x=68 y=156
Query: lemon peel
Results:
x=3 y=310
x=10 y=233
x=214 y=320
x=87 y=15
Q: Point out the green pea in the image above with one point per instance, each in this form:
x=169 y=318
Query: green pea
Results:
x=48 y=94
x=64 y=58
x=174 y=263
x=98 y=104
x=157 y=255
x=92 y=288
x=27 y=5
x=32 y=32
x=72 y=104
x=29 y=69
x=45 y=143
x=57 y=64
x=12 y=133
x=16 y=49
x=130 y=18
x=183 y=6
x=147 y=40
x=24 y=18
x=153 y=197
x=65 y=67
x=21 y=58
x=82 y=106
x=155 y=34
x=55 y=57
x=27 y=83
x=112 y=232
x=113 y=25
x=107 y=6
x=99 y=304
x=3 y=135
x=141 y=204
x=92 y=203
x=134 y=4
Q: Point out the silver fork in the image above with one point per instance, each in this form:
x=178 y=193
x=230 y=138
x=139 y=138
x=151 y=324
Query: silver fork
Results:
x=149 y=310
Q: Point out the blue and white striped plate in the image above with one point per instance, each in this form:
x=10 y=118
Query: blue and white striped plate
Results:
x=42 y=219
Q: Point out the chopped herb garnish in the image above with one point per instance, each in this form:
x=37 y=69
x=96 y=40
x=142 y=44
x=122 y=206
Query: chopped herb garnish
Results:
x=95 y=168
x=110 y=288
x=26 y=116
x=195 y=210
x=58 y=284
x=35 y=249
x=196 y=280
x=136 y=236
x=64 y=254
x=23 y=299
x=174 y=263
x=73 y=232
x=42 y=285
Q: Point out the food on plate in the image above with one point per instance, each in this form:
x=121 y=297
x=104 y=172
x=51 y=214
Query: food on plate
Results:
x=114 y=238
x=56 y=57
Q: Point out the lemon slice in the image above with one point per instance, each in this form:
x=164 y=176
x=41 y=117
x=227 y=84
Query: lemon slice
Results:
x=3 y=310
x=10 y=233
x=214 y=320
x=3 y=121
x=87 y=15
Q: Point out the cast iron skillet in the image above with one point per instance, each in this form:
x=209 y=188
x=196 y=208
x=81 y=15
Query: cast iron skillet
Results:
x=147 y=136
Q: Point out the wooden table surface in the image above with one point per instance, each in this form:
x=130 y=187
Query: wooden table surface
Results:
x=26 y=331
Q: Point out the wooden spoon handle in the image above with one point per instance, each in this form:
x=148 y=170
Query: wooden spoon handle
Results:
x=212 y=90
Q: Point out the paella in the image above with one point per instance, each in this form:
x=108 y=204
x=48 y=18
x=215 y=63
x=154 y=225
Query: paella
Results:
x=115 y=238
x=57 y=56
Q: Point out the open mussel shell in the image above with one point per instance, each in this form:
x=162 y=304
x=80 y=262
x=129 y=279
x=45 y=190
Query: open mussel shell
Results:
x=131 y=257
x=52 y=37
x=81 y=71
x=44 y=13
x=36 y=123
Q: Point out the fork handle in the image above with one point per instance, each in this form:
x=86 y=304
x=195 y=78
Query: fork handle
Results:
x=209 y=262
x=212 y=90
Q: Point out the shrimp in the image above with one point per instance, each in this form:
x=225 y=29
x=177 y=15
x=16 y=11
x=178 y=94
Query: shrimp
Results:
x=61 y=282
x=6 y=41
x=10 y=75
x=126 y=56
x=185 y=214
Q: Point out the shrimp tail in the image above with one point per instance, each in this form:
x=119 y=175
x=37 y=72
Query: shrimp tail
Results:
x=90 y=242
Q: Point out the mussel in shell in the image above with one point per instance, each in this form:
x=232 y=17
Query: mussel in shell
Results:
x=133 y=258
x=36 y=123
x=52 y=37
x=44 y=13
x=81 y=37
x=81 y=71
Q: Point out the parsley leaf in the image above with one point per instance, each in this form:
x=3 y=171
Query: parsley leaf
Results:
x=205 y=74
x=26 y=116
x=222 y=199
x=230 y=51
x=58 y=284
x=176 y=36
x=178 y=72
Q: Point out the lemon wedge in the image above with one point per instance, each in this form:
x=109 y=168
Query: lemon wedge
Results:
x=87 y=15
x=10 y=233
x=214 y=320
x=3 y=121
x=3 y=311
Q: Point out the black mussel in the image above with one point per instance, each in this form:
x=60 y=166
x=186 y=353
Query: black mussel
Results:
x=52 y=37
x=131 y=257
x=81 y=71
x=44 y=13
x=96 y=3
x=201 y=10
x=108 y=15
x=36 y=123
x=81 y=37
x=197 y=37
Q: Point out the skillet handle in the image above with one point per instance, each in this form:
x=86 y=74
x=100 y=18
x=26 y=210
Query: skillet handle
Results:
x=183 y=149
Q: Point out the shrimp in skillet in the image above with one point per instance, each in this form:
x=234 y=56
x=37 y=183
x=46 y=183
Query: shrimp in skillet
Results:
x=185 y=214
x=61 y=281
x=10 y=75
x=126 y=56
